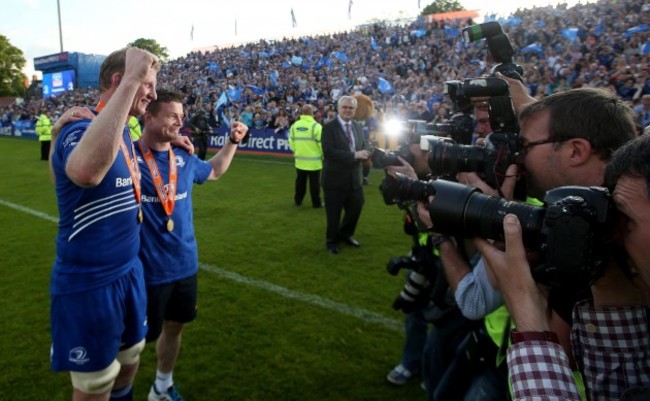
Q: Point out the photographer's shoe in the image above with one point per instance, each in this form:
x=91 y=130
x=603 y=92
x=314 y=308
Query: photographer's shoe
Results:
x=399 y=375
x=170 y=395
x=352 y=242
x=333 y=249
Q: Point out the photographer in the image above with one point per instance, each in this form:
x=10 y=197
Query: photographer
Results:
x=428 y=288
x=415 y=298
x=610 y=332
x=566 y=139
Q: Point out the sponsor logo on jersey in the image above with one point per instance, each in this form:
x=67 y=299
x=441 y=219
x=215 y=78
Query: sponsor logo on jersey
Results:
x=123 y=182
x=180 y=162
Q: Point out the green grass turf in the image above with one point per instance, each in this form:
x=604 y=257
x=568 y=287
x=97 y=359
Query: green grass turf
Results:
x=279 y=318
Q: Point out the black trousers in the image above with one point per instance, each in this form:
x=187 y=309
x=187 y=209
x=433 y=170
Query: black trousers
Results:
x=302 y=176
x=350 y=202
x=45 y=150
x=202 y=144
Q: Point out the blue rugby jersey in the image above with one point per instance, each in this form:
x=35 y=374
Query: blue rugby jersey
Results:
x=170 y=256
x=99 y=235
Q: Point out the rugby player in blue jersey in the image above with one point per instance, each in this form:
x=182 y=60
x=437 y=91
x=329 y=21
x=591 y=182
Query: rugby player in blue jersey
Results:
x=98 y=296
x=168 y=248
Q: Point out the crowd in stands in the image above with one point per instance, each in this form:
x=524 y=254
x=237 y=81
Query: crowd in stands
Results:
x=403 y=67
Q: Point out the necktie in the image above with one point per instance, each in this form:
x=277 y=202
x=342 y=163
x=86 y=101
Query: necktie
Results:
x=348 y=134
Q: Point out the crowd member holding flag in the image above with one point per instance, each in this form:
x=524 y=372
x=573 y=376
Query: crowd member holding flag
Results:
x=169 y=251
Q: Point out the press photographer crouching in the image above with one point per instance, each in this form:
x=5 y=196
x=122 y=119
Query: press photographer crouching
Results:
x=565 y=139
x=426 y=297
x=420 y=263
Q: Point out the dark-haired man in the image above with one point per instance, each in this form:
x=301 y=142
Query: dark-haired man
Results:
x=169 y=250
x=610 y=333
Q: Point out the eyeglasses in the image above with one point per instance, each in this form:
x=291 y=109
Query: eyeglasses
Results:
x=525 y=146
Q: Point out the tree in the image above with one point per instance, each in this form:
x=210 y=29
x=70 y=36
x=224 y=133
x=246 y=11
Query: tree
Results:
x=12 y=61
x=442 y=6
x=151 y=46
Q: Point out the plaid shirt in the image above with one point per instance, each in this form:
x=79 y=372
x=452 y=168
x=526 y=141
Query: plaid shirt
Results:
x=610 y=344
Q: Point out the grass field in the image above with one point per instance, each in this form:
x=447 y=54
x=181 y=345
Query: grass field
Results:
x=279 y=318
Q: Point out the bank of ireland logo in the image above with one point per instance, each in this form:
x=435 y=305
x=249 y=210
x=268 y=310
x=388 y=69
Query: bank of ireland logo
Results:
x=78 y=355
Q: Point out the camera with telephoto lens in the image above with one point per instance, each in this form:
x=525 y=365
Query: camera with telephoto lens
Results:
x=460 y=128
x=499 y=47
x=571 y=229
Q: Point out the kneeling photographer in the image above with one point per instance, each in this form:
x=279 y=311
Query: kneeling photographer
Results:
x=565 y=139
x=422 y=266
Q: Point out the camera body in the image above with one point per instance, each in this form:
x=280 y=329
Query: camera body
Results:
x=571 y=230
x=499 y=46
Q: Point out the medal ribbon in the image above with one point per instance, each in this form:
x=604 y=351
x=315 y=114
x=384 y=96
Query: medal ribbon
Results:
x=167 y=197
x=131 y=163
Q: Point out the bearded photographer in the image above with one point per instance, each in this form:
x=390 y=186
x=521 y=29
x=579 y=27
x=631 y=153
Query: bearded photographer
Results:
x=610 y=332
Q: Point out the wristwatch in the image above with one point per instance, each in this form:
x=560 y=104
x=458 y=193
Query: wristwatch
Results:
x=234 y=142
x=519 y=336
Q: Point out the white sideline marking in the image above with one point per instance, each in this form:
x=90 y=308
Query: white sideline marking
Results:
x=361 y=314
x=29 y=211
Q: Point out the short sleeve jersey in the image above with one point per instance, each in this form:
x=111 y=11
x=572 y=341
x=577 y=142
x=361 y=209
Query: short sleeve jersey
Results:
x=170 y=255
x=99 y=234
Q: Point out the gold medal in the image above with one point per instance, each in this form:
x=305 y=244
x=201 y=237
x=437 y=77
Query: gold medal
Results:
x=140 y=215
x=170 y=225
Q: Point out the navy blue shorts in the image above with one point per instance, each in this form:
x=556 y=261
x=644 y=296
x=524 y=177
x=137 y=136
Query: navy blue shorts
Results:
x=175 y=301
x=89 y=328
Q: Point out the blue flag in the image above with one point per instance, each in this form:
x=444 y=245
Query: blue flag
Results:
x=222 y=101
x=532 y=48
x=264 y=54
x=296 y=60
x=255 y=89
x=569 y=33
x=636 y=29
x=646 y=48
x=385 y=86
x=341 y=56
x=234 y=93
x=599 y=28
x=418 y=33
x=274 y=75
x=213 y=66
x=373 y=44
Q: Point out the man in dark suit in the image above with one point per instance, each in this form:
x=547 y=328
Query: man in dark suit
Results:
x=343 y=151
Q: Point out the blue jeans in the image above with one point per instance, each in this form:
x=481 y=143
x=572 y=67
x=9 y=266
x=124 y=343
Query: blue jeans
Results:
x=415 y=328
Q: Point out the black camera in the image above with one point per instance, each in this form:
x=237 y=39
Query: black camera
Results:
x=446 y=157
x=402 y=189
x=499 y=47
x=571 y=230
x=462 y=92
x=460 y=128
x=382 y=158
